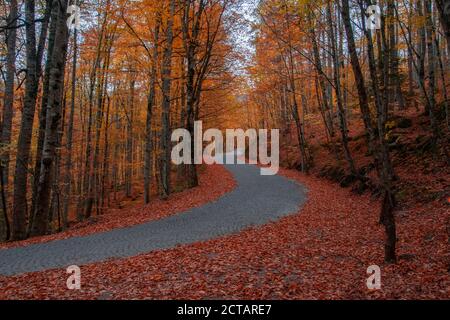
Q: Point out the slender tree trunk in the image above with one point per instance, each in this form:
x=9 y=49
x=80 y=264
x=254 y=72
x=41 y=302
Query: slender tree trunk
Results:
x=85 y=207
x=68 y=169
x=190 y=39
x=322 y=84
x=410 y=56
x=379 y=152
x=105 y=176
x=166 y=84
x=394 y=77
x=431 y=69
x=150 y=104
x=337 y=87
x=116 y=159
x=19 y=227
x=94 y=177
x=422 y=53
x=130 y=141
x=8 y=114
x=442 y=70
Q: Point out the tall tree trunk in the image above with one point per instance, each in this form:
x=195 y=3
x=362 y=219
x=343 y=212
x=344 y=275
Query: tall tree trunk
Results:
x=394 y=76
x=85 y=205
x=410 y=56
x=190 y=40
x=166 y=84
x=130 y=139
x=431 y=69
x=148 y=124
x=54 y=115
x=322 y=84
x=6 y=226
x=379 y=152
x=422 y=53
x=105 y=176
x=68 y=169
x=92 y=197
x=43 y=110
x=8 y=114
x=337 y=87
x=19 y=230
x=55 y=206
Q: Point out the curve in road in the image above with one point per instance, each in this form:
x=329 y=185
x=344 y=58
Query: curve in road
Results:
x=255 y=201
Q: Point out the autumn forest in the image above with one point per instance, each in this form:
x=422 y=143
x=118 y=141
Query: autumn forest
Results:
x=91 y=91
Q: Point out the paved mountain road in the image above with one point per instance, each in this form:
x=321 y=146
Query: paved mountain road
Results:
x=256 y=200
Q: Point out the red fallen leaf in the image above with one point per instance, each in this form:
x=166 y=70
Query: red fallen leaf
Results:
x=156 y=277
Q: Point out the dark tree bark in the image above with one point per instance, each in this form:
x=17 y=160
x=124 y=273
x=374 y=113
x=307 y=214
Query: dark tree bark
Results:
x=338 y=91
x=68 y=169
x=53 y=120
x=190 y=38
x=198 y=63
x=105 y=174
x=191 y=30
x=19 y=230
x=43 y=110
x=443 y=7
x=6 y=225
x=148 y=165
x=379 y=146
x=8 y=114
x=394 y=76
x=166 y=102
x=130 y=140
x=422 y=52
x=323 y=85
x=431 y=54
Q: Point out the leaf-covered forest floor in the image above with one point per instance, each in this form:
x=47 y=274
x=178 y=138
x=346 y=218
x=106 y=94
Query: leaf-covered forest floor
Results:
x=322 y=252
x=423 y=176
x=134 y=211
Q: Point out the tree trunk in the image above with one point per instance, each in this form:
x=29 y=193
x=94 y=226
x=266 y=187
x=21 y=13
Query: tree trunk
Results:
x=431 y=69
x=190 y=39
x=337 y=87
x=130 y=141
x=85 y=206
x=54 y=115
x=422 y=53
x=166 y=84
x=380 y=151
x=8 y=114
x=443 y=7
x=19 y=230
x=323 y=85
x=148 y=124
x=394 y=77
x=43 y=110
x=68 y=169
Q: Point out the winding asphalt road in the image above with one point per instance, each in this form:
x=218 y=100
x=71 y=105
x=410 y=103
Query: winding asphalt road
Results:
x=256 y=200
